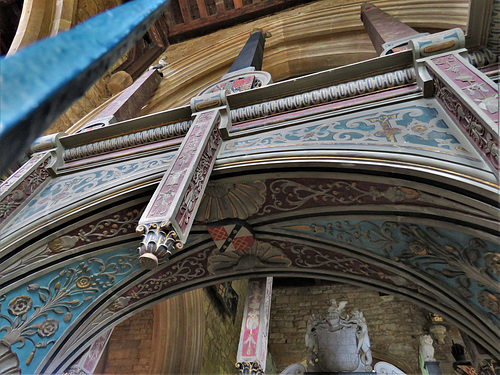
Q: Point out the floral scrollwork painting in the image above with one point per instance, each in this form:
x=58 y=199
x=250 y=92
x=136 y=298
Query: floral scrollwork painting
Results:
x=34 y=316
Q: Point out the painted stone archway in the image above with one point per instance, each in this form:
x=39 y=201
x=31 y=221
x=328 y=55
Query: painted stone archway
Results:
x=388 y=233
x=365 y=182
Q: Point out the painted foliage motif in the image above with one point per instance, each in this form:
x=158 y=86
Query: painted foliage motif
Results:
x=420 y=126
x=33 y=316
x=23 y=186
x=121 y=223
x=464 y=263
x=65 y=190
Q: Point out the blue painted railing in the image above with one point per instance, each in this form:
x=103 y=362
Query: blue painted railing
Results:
x=39 y=82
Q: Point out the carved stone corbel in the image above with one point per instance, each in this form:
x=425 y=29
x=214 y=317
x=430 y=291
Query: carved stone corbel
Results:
x=158 y=242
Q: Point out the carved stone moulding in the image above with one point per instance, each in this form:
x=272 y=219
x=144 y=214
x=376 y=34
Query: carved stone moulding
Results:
x=325 y=95
x=23 y=183
x=238 y=200
x=478 y=132
x=113 y=226
x=157 y=134
x=80 y=189
x=158 y=243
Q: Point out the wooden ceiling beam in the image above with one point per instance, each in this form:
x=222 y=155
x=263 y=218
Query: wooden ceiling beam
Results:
x=221 y=8
x=222 y=18
x=185 y=11
x=202 y=7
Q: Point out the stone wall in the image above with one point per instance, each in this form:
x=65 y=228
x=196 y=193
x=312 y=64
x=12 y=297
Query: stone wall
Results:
x=394 y=325
x=130 y=346
x=222 y=334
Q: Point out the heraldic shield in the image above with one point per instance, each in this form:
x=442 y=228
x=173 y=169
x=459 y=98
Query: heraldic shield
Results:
x=339 y=342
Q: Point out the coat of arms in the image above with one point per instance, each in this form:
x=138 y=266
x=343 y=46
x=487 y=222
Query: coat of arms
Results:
x=339 y=342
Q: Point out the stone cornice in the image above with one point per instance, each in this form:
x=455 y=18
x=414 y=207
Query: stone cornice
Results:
x=316 y=89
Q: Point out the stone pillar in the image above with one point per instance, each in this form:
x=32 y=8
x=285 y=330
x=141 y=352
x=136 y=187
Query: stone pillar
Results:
x=128 y=103
x=252 y=350
x=387 y=34
x=469 y=95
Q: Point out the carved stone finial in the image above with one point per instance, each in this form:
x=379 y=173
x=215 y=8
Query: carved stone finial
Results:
x=159 y=240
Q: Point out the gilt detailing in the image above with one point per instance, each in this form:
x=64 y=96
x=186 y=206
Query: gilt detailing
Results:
x=158 y=243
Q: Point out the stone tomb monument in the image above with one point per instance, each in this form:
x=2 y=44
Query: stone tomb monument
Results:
x=337 y=343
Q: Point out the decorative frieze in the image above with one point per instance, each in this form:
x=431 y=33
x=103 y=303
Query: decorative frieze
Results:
x=486 y=140
x=471 y=84
x=67 y=189
x=35 y=315
x=157 y=134
x=23 y=183
x=467 y=264
x=121 y=223
x=326 y=95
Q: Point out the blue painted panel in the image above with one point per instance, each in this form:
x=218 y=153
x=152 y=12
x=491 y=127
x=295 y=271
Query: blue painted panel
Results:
x=35 y=315
x=69 y=189
x=419 y=128
x=466 y=264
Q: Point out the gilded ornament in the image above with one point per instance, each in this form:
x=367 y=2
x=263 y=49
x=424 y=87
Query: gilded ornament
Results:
x=48 y=327
x=489 y=301
x=119 y=304
x=63 y=243
x=492 y=262
x=159 y=240
x=83 y=282
x=20 y=305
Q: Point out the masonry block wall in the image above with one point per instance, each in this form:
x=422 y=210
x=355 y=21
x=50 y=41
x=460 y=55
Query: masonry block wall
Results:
x=394 y=325
x=130 y=346
x=222 y=335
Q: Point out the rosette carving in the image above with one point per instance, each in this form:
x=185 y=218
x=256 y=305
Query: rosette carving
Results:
x=158 y=243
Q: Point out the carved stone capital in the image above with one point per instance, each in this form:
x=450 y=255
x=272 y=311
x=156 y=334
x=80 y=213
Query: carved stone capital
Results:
x=159 y=240
x=249 y=368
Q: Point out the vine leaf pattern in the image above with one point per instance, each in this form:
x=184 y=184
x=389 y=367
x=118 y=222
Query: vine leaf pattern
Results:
x=120 y=223
x=66 y=189
x=37 y=315
x=467 y=264
x=287 y=195
x=421 y=126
